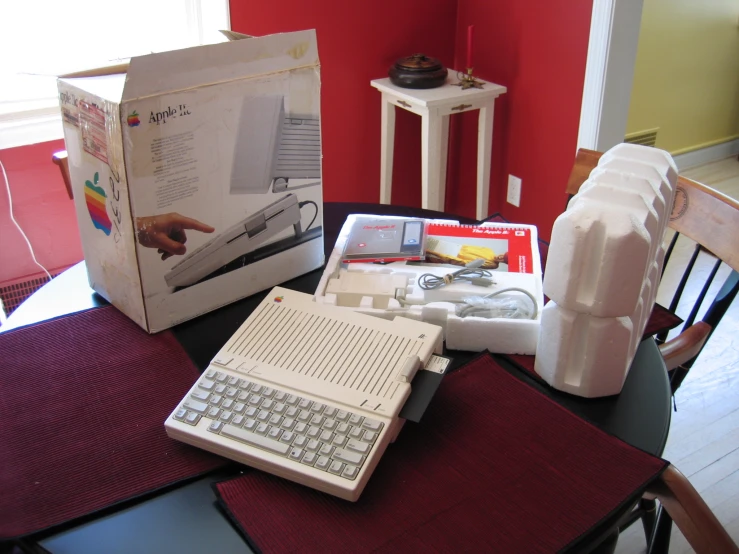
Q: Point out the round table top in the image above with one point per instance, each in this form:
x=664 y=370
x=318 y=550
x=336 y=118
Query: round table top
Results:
x=639 y=415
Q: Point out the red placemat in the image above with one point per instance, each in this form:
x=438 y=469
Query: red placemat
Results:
x=660 y=320
x=495 y=466
x=83 y=408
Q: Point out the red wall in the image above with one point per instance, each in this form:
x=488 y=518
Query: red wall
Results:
x=538 y=51
x=43 y=210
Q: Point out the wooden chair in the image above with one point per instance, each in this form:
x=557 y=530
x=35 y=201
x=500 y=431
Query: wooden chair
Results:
x=711 y=220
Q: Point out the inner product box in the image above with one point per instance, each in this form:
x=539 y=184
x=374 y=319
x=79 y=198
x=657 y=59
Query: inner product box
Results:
x=196 y=174
x=497 y=306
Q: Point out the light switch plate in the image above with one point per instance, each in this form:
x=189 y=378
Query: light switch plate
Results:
x=514 y=191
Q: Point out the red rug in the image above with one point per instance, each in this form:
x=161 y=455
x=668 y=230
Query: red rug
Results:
x=84 y=403
x=495 y=466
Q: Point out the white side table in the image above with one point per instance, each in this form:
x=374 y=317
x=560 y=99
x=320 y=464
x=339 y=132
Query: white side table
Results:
x=435 y=106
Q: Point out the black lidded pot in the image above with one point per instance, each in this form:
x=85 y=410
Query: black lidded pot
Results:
x=418 y=71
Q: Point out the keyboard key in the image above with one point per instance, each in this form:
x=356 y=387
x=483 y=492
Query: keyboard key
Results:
x=274 y=433
x=316 y=420
x=288 y=423
x=330 y=424
x=215 y=400
x=358 y=447
x=300 y=428
x=243 y=396
x=287 y=437
x=371 y=424
x=221 y=378
x=255 y=440
x=300 y=442
x=262 y=429
x=279 y=408
x=192 y=418
x=275 y=419
x=317 y=408
x=207 y=384
x=211 y=374
x=234 y=381
x=267 y=392
x=292 y=400
x=227 y=404
x=336 y=467
x=339 y=440
x=326 y=450
x=214 y=412
x=226 y=416
x=215 y=427
x=313 y=432
x=309 y=458
x=250 y=424
x=369 y=437
x=330 y=412
x=195 y=406
x=304 y=404
x=322 y=463
x=180 y=414
x=355 y=419
x=251 y=411
x=292 y=412
x=232 y=393
x=313 y=446
x=326 y=436
x=350 y=472
x=200 y=395
x=341 y=415
x=296 y=454
x=257 y=389
x=221 y=389
x=263 y=415
x=304 y=416
x=348 y=457
x=356 y=433
x=343 y=429
x=255 y=400
x=267 y=404
x=237 y=420
x=280 y=396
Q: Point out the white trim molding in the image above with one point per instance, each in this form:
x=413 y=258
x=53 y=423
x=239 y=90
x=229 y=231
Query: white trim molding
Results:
x=706 y=155
x=609 y=72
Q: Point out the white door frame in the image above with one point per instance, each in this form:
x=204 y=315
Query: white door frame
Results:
x=609 y=73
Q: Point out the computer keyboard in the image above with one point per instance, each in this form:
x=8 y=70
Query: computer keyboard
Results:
x=301 y=430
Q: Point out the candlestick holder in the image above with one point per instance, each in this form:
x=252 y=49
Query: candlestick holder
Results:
x=467 y=80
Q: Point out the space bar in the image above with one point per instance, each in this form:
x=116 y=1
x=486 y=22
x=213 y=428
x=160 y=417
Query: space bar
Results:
x=253 y=439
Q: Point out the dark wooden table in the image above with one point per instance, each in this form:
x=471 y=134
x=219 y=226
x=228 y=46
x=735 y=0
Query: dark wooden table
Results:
x=187 y=520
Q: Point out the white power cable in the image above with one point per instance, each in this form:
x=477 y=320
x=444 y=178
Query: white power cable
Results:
x=12 y=218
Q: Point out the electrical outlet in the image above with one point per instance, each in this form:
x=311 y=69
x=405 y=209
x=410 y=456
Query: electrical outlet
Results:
x=514 y=191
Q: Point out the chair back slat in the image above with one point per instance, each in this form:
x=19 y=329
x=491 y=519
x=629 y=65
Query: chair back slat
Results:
x=684 y=279
x=668 y=254
x=702 y=296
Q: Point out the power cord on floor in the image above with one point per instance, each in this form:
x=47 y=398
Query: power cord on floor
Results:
x=12 y=218
x=315 y=215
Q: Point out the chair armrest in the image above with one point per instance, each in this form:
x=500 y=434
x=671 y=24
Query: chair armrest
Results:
x=686 y=345
x=60 y=159
x=691 y=514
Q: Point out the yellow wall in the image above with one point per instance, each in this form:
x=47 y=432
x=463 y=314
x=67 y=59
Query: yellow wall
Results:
x=686 y=79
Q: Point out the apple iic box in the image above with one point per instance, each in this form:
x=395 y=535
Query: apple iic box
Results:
x=307 y=392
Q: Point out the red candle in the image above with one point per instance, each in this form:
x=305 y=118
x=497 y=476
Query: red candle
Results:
x=470 y=32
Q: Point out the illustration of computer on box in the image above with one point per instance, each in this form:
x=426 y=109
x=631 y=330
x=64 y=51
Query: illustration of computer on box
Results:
x=270 y=149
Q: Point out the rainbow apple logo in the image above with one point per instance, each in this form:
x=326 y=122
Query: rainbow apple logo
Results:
x=279 y=299
x=95 y=198
x=133 y=119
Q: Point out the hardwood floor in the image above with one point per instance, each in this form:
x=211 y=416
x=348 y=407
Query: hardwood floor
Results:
x=704 y=434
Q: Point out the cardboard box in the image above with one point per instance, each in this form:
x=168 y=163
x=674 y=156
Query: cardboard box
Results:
x=218 y=146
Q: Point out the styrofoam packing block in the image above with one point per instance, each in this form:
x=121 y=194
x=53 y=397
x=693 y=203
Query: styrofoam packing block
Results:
x=505 y=336
x=583 y=354
x=608 y=188
x=659 y=184
x=659 y=159
x=593 y=254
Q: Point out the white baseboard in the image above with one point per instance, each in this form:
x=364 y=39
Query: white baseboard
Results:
x=707 y=155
